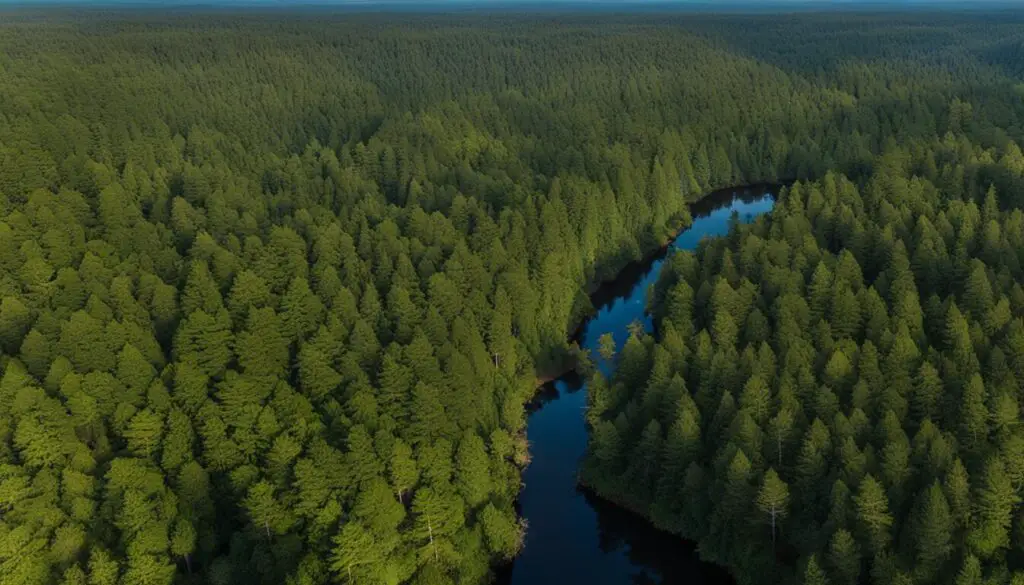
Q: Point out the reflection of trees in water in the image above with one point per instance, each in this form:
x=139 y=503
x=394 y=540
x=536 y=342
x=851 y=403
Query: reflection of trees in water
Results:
x=569 y=383
x=634 y=272
x=660 y=557
x=545 y=394
x=725 y=197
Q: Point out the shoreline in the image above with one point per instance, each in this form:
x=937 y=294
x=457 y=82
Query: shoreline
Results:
x=595 y=285
x=608 y=287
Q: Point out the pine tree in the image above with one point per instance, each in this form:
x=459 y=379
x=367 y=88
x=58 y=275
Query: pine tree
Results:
x=956 y=486
x=958 y=339
x=403 y=471
x=927 y=393
x=724 y=330
x=781 y=428
x=395 y=382
x=301 y=310
x=873 y=514
x=844 y=558
x=356 y=556
x=377 y=508
x=504 y=535
x=206 y=341
x=201 y=292
x=147 y=569
x=970 y=573
x=438 y=515
x=607 y=448
x=177 y=446
x=933 y=530
x=247 y=290
x=183 y=542
x=84 y=341
x=145 y=433
x=15 y=320
x=472 y=476
x=773 y=499
x=978 y=295
x=363 y=464
x=645 y=460
x=974 y=418
x=813 y=575
x=317 y=376
x=261 y=348
x=811 y=465
x=738 y=496
x=266 y=513
x=994 y=500
x=820 y=292
x=679 y=308
x=500 y=341
x=429 y=420
x=405 y=315
x=702 y=168
x=103 y=570
x=606 y=347
x=190 y=386
x=36 y=353
x=756 y=398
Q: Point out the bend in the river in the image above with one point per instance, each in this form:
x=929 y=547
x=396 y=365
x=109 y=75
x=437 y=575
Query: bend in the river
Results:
x=574 y=537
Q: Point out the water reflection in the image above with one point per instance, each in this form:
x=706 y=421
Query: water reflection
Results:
x=658 y=557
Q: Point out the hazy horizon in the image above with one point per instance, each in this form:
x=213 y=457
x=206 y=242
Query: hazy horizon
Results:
x=428 y=4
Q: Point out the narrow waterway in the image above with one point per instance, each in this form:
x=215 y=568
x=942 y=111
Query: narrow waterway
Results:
x=574 y=537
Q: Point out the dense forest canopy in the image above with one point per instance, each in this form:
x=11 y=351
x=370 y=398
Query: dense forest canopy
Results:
x=833 y=393
x=276 y=287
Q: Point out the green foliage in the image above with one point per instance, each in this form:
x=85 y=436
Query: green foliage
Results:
x=275 y=289
x=879 y=442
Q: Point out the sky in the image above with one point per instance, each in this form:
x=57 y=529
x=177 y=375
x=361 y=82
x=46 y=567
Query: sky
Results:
x=484 y=2
x=527 y=4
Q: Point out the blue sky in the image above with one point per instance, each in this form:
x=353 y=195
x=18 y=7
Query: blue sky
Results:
x=527 y=4
x=483 y=2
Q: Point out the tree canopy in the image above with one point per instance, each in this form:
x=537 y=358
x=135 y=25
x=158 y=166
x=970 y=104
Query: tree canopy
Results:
x=275 y=287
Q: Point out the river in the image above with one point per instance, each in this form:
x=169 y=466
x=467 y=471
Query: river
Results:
x=574 y=537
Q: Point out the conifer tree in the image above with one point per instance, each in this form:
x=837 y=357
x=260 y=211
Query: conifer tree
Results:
x=773 y=499
x=933 y=530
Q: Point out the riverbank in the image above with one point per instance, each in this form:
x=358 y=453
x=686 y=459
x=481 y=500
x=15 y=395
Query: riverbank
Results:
x=569 y=361
x=600 y=290
x=619 y=492
x=642 y=514
x=568 y=538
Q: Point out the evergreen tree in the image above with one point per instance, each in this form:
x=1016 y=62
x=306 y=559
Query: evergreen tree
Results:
x=813 y=575
x=933 y=530
x=773 y=499
x=994 y=501
x=844 y=558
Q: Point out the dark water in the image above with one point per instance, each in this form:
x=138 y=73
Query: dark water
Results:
x=574 y=537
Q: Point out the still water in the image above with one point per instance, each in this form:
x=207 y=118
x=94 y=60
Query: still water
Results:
x=574 y=537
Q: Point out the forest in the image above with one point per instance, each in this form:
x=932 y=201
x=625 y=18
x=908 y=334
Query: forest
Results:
x=277 y=286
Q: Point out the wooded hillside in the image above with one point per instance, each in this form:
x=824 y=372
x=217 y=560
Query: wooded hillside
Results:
x=275 y=287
